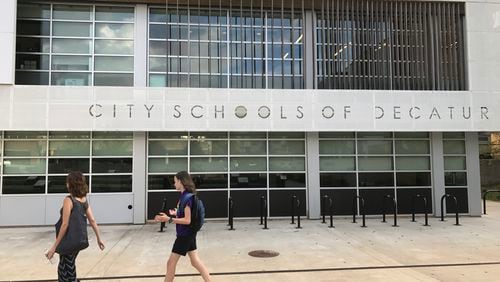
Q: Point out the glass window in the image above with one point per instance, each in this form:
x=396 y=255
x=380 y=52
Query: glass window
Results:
x=113 y=79
x=411 y=134
x=336 y=147
x=248 y=147
x=287 y=180
x=33 y=28
x=70 y=78
x=114 y=30
x=72 y=12
x=33 y=11
x=24 y=166
x=69 y=135
x=377 y=135
x=336 y=135
x=111 y=148
x=25 y=135
x=71 y=29
x=248 y=180
x=453 y=135
x=337 y=163
x=112 y=135
x=69 y=148
x=23 y=185
x=37 y=45
x=286 y=164
x=208 y=147
x=114 y=63
x=157 y=80
x=114 y=14
x=67 y=165
x=118 y=47
x=455 y=178
x=374 y=147
x=161 y=182
x=455 y=163
x=161 y=148
x=210 y=181
x=158 y=15
x=57 y=184
x=167 y=164
x=208 y=164
x=412 y=147
x=71 y=63
x=25 y=148
x=32 y=78
x=71 y=46
x=413 y=178
x=286 y=147
x=413 y=163
x=337 y=180
x=32 y=62
x=453 y=147
x=375 y=163
x=376 y=179
x=111 y=165
x=248 y=164
x=111 y=184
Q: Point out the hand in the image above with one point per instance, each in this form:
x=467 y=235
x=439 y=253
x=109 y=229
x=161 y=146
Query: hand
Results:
x=50 y=253
x=173 y=212
x=101 y=244
x=162 y=217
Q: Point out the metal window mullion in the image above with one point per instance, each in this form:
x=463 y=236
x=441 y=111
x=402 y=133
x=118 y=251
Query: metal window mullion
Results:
x=387 y=47
x=437 y=37
x=420 y=40
x=2 y=144
x=230 y=44
x=282 y=43
x=454 y=57
x=343 y=41
x=374 y=31
x=292 y=46
x=167 y=60
x=266 y=54
x=358 y=45
x=449 y=45
x=461 y=57
x=413 y=46
x=348 y=42
x=199 y=45
x=242 y=48
x=407 y=48
x=322 y=42
x=253 y=84
x=327 y=76
x=370 y=45
x=263 y=46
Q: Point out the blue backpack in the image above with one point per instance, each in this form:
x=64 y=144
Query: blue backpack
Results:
x=197 y=212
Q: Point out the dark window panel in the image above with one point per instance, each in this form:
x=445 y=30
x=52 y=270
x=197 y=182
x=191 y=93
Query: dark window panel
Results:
x=337 y=179
x=112 y=165
x=455 y=178
x=376 y=179
x=342 y=201
x=281 y=180
x=23 y=185
x=67 y=165
x=413 y=179
x=248 y=180
x=111 y=183
x=210 y=181
x=280 y=202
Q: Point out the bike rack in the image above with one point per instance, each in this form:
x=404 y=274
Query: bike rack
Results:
x=231 y=213
x=456 y=207
x=395 y=207
x=163 y=209
x=263 y=211
x=425 y=208
x=323 y=207
x=298 y=214
x=294 y=199
x=484 y=198
x=331 y=212
x=354 y=209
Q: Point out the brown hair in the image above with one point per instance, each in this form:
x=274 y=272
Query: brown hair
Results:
x=187 y=181
x=77 y=185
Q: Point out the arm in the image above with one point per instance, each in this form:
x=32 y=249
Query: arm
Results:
x=93 y=223
x=67 y=206
x=186 y=220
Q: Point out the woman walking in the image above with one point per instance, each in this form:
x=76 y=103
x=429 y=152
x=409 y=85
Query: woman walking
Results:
x=185 y=243
x=74 y=203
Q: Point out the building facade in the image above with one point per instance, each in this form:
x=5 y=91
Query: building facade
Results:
x=256 y=99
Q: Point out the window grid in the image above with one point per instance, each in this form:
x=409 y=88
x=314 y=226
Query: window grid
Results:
x=237 y=49
x=400 y=45
x=48 y=175
x=357 y=156
x=77 y=68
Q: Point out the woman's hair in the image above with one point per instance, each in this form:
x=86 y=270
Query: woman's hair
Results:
x=187 y=181
x=77 y=185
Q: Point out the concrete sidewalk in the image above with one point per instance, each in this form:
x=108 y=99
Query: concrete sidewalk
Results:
x=411 y=252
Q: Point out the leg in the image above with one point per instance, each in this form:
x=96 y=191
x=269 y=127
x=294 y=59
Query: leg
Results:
x=171 y=264
x=196 y=263
x=66 y=270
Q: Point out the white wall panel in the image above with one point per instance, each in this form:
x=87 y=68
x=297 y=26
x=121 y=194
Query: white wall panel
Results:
x=112 y=208
x=22 y=210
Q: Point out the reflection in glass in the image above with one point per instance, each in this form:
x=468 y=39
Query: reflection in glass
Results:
x=71 y=29
x=113 y=79
x=67 y=165
x=337 y=180
x=336 y=147
x=23 y=185
x=70 y=78
x=337 y=163
x=74 y=46
x=33 y=11
x=208 y=181
x=413 y=179
x=114 y=64
x=413 y=163
x=111 y=165
x=38 y=45
x=172 y=165
x=208 y=164
x=69 y=148
x=114 y=14
x=57 y=184
x=32 y=62
x=248 y=147
x=286 y=147
x=33 y=28
x=281 y=180
x=374 y=147
x=376 y=179
x=161 y=182
x=248 y=180
x=25 y=148
x=121 y=47
x=114 y=30
x=248 y=164
x=208 y=147
x=111 y=183
x=375 y=163
x=287 y=164
x=24 y=166
x=453 y=147
x=75 y=13
x=455 y=178
x=111 y=148
x=164 y=147
x=412 y=147
x=454 y=163
x=71 y=63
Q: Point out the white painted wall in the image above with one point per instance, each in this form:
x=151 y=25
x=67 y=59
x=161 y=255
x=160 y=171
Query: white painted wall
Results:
x=8 y=40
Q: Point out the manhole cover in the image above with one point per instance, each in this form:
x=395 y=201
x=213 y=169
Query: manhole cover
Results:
x=263 y=254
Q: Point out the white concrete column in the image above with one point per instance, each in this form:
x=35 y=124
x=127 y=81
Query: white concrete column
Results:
x=139 y=177
x=313 y=188
x=141 y=45
x=437 y=171
x=473 y=173
x=309 y=61
x=8 y=14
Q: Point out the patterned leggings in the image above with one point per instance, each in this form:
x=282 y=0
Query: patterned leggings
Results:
x=66 y=271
